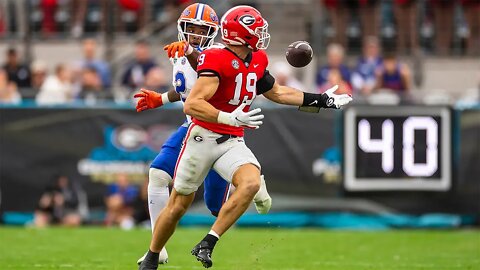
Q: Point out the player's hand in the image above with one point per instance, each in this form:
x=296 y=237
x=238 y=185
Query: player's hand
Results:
x=336 y=101
x=178 y=49
x=239 y=118
x=148 y=99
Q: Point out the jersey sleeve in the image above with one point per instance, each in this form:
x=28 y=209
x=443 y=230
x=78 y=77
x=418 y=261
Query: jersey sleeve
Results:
x=209 y=64
x=267 y=81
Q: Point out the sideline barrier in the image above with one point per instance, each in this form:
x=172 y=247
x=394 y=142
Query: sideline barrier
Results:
x=300 y=155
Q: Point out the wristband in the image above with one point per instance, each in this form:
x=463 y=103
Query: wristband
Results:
x=165 y=99
x=189 y=49
x=313 y=102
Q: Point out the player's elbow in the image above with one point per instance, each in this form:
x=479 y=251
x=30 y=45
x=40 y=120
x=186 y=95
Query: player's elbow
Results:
x=188 y=107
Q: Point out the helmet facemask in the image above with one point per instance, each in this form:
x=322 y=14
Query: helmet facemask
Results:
x=205 y=40
x=263 y=36
x=261 y=32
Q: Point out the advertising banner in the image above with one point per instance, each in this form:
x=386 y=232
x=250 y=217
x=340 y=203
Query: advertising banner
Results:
x=300 y=153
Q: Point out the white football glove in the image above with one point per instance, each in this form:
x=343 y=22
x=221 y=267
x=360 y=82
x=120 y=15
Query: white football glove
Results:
x=239 y=118
x=336 y=101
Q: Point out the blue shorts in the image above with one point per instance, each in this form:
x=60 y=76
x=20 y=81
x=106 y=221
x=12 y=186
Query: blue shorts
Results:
x=216 y=188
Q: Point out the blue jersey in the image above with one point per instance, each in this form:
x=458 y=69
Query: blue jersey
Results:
x=184 y=76
x=322 y=75
x=367 y=68
x=393 y=80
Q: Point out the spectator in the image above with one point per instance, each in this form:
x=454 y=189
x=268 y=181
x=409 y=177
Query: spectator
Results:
x=134 y=11
x=405 y=12
x=471 y=10
x=364 y=77
x=13 y=18
x=335 y=78
x=338 y=11
x=91 y=84
x=3 y=21
x=17 y=72
x=443 y=16
x=39 y=74
x=8 y=90
x=57 y=88
x=156 y=80
x=79 y=11
x=134 y=75
x=394 y=75
x=283 y=75
x=335 y=55
x=49 y=8
x=370 y=17
x=59 y=204
x=121 y=199
x=90 y=61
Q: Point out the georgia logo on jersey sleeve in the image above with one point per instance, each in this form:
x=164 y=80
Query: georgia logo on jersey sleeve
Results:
x=235 y=64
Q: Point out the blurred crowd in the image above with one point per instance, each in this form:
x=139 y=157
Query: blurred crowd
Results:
x=59 y=18
x=373 y=71
x=62 y=202
x=65 y=203
x=409 y=22
x=88 y=78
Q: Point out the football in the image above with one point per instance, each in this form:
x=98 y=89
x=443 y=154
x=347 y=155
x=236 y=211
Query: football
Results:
x=299 y=54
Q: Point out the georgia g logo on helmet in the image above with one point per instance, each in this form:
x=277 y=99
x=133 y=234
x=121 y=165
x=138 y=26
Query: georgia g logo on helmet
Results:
x=247 y=20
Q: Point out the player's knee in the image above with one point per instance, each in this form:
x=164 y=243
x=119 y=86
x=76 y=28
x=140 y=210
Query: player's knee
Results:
x=158 y=178
x=184 y=188
x=251 y=184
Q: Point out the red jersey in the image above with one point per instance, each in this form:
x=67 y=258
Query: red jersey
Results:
x=238 y=82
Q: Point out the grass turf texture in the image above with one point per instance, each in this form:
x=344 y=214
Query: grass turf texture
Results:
x=245 y=249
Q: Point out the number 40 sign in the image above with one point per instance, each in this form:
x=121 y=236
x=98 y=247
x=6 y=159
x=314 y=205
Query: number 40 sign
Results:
x=397 y=148
x=385 y=145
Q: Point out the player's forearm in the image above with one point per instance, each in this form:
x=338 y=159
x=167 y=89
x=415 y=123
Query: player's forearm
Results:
x=285 y=95
x=173 y=96
x=196 y=104
x=192 y=59
x=307 y=102
x=201 y=110
x=290 y=96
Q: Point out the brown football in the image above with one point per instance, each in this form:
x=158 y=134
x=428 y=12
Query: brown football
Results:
x=299 y=54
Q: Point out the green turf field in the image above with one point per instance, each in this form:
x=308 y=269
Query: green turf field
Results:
x=245 y=249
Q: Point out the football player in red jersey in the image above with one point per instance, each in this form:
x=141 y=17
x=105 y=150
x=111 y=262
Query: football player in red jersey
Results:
x=229 y=78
